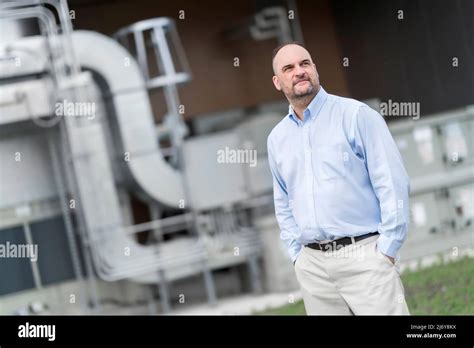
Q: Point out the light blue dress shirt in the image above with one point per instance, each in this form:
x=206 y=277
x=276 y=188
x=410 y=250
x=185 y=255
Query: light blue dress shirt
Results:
x=338 y=173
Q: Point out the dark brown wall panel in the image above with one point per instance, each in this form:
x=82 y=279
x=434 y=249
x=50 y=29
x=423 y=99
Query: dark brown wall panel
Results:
x=217 y=84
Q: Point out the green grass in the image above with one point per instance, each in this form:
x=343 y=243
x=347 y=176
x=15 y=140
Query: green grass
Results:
x=441 y=289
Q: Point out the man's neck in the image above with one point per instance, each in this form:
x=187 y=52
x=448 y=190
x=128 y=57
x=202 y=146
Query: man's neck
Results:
x=300 y=104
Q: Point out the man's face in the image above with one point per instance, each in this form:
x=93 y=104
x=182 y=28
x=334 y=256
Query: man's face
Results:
x=295 y=72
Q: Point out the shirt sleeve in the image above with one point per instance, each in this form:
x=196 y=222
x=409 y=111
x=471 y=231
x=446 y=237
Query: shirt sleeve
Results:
x=389 y=179
x=283 y=212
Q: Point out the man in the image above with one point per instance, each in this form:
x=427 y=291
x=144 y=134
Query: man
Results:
x=340 y=193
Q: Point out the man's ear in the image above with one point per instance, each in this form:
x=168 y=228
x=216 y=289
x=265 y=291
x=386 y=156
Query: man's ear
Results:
x=315 y=69
x=276 y=82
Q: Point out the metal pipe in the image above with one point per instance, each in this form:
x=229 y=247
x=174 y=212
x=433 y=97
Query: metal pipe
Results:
x=34 y=265
x=73 y=187
x=58 y=179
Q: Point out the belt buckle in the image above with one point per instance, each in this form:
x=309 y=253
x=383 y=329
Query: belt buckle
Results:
x=325 y=247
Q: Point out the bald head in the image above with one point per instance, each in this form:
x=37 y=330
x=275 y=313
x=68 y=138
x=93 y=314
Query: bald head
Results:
x=295 y=73
x=282 y=46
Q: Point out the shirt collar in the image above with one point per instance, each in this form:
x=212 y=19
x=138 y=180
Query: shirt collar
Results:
x=312 y=110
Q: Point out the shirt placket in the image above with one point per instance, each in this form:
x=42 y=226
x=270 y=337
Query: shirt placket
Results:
x=309 y=178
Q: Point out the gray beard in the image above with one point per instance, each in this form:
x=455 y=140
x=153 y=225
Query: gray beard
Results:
x=310 y=91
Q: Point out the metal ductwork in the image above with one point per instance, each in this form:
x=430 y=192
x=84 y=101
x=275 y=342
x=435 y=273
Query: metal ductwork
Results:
x=134 y=116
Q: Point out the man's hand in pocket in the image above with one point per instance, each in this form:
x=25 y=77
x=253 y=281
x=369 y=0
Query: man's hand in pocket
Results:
x=390 y=258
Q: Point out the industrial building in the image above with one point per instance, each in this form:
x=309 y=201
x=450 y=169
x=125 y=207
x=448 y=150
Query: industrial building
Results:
x=133 y=160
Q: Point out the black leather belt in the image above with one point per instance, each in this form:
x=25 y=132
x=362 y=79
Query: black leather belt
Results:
x=339 y=243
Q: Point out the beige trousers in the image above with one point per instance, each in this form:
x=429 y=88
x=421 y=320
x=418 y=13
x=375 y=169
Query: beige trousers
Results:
x=355 y=279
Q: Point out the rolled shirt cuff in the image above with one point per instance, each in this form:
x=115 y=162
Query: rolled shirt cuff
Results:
x=388 y=246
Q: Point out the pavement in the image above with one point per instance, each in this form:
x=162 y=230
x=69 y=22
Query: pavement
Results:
x=241 y=305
